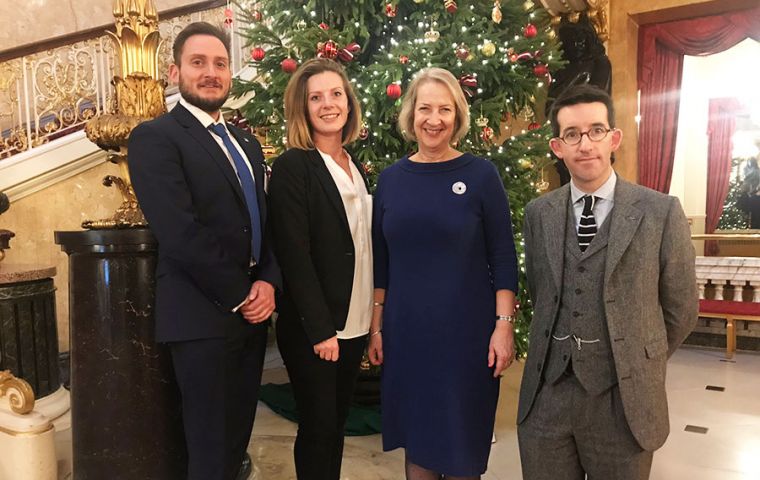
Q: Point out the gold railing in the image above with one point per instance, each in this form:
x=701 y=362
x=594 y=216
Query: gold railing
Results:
x=51 y=93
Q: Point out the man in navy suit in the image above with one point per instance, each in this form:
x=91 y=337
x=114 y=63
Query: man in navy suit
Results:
x=200 y=183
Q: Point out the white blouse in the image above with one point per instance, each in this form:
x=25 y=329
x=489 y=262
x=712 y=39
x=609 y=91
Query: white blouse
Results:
x=358 y=205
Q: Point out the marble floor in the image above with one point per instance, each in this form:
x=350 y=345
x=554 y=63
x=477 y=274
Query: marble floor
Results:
x=729 y=450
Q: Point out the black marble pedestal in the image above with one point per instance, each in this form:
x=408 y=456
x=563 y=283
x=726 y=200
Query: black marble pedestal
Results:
x=28 y=330
x=125 y=405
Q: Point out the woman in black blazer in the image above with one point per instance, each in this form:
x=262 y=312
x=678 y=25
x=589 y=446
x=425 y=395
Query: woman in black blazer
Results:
x=321 y=220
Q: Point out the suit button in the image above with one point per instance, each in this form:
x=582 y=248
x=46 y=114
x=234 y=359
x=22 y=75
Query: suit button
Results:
x=556 y=299
x=576 y=314
x=246 y=229
x=546 y=333
x=581 y=269
x=539 y=366
x=578 y=291
x=564 y=358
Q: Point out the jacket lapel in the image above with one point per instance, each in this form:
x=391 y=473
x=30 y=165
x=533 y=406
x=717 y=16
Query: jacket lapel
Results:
x=626 y=218
x=328 y=184
x=196 y=131
x=554 y=220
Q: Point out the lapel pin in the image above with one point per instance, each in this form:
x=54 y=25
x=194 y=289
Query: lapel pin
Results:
x=459 y=188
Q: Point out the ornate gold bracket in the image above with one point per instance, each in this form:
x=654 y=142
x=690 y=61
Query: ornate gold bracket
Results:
x=595 y=9
x=139 y=97
x=19 y=392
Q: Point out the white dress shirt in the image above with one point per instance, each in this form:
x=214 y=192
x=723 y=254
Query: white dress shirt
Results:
x=604 y=202
x=207 y=120
x=358 y=205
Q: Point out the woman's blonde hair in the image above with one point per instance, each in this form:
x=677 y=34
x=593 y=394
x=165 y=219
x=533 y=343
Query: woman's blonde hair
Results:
x=296 y=108
x=445 y=78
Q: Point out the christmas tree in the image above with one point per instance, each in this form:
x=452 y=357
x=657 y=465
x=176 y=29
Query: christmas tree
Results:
x=502 y=55
x=733 y=218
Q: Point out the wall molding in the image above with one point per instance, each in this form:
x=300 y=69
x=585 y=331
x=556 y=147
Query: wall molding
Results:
x=44 y=166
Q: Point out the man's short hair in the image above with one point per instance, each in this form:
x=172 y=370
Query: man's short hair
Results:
x=198 y=28
x=583 y=93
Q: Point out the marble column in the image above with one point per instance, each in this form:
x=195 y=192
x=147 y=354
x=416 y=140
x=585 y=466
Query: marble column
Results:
x=125 y=405
x=28 y=331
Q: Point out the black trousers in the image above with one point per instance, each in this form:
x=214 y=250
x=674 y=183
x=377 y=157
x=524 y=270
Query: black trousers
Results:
x=323 y=391
x=219 y=379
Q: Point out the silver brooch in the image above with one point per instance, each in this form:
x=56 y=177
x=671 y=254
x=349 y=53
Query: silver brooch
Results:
x=459 y=188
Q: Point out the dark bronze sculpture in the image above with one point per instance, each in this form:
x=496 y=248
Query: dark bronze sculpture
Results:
x=5 y=235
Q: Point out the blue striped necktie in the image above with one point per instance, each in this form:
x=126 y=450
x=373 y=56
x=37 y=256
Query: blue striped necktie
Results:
x=587 y=225
x=249 y=188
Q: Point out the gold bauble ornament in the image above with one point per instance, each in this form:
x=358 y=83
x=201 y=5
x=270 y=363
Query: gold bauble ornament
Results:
x=496 y=12
x=525 y=163
x=488 y=48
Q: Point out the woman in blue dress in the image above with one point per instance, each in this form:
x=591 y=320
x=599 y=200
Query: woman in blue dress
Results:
x=445 y=283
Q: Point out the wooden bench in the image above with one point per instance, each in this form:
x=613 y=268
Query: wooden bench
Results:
x=730 y=311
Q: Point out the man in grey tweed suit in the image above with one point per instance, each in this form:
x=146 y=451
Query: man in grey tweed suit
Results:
x=611 y=276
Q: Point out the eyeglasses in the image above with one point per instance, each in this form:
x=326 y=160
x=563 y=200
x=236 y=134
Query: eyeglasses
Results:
x=595 y=134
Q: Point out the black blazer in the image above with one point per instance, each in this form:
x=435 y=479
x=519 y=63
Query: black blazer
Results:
x=194 y=203
x=313 y=243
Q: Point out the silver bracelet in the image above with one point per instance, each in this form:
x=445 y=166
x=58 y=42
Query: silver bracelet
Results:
x=508 y=318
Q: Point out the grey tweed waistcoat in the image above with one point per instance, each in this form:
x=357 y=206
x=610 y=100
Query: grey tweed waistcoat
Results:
x=581 y=317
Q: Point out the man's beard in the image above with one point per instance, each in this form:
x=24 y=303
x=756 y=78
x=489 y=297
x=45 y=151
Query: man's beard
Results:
x=208 y=105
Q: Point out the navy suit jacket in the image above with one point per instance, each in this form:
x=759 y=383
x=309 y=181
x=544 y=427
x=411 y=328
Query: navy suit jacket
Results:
x=193 y=201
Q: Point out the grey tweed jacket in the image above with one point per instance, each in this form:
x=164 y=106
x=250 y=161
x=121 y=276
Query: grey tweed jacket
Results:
x=650 y=296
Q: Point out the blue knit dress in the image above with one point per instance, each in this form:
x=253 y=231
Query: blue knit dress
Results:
x=443 y=245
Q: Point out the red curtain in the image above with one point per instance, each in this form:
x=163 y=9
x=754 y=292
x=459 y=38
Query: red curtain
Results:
x=721 y=124
x=662 y=47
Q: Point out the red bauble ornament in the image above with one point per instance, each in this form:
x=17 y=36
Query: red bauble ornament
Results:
x=530 y=31
x=540 y=70
x=390 y=10
x=393 y=91
x=403 y=59
x=462 y=52
x=450 y=5
x=323 y=26
x=331 y=49
x=228 y=17
x=289 y=65
x=513 y=58
x=256 y=15
x=487 y=134
x=257 y=54
x=363 y=135
x=534 y=125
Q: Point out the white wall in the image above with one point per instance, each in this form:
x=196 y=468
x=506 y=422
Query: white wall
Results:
x=732 y=73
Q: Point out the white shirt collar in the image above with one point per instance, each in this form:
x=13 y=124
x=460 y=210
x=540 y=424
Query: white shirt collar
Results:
x=203 y=117
x=606 y=191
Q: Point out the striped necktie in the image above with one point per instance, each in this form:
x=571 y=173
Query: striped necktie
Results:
x=248 y=186
x=587 y=225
